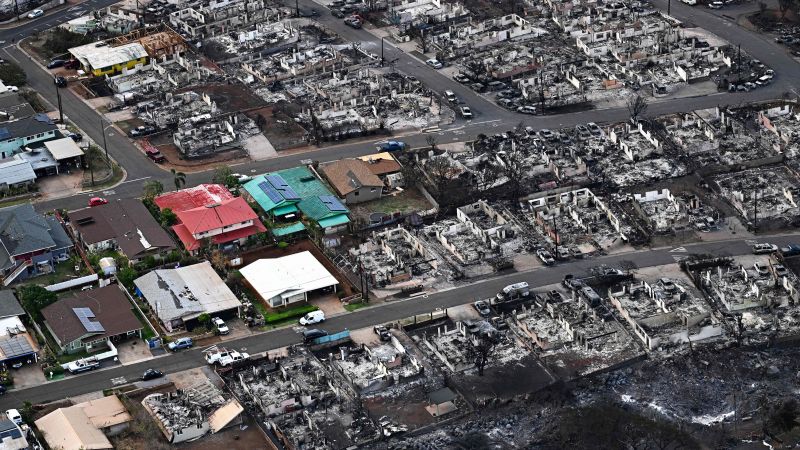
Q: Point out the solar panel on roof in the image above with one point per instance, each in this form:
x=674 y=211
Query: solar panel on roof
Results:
x=84 y=315
x=15 y=347
x=332 y=203
x=283 y=187
x=273 y=195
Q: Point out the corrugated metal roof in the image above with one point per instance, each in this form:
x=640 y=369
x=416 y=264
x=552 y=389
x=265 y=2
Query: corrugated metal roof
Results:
x=16 y=170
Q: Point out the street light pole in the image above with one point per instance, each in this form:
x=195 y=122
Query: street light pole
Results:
x=60 y=109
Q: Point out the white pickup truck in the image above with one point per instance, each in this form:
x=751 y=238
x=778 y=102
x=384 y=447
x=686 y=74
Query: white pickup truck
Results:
x=233 y=358
x=83 y=365
x=214 y=357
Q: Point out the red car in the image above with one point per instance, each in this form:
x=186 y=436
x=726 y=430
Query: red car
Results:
x=155 y=155
x=97 y=201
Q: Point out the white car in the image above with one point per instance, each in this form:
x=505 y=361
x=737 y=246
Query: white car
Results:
x=434 y=63
x=312 y=318
x=242 y=178
x=220 y=325
x=764 y=248
x=35 y=13
x=12 y=89
x=14 y=416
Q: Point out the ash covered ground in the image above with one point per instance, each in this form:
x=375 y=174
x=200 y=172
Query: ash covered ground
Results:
x=732 y=398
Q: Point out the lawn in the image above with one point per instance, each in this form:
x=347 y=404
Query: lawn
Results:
x=147 y=332
x=355 y=306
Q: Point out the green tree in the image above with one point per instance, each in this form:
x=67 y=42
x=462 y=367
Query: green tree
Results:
x=90 y=155
x=179 y=178
x=223 y=175
x=152 y=189
x=126 y=275
x=34 y=298
x=204 y=320
x=11 y=74
x=168 y=218
x=60 y=40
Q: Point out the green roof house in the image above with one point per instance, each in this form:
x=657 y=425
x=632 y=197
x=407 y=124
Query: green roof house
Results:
x=286 y=193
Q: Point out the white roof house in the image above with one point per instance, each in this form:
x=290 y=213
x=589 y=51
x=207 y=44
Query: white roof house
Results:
x=180 y=295
x=288 y=279
x=63 y=148
x=98 y=57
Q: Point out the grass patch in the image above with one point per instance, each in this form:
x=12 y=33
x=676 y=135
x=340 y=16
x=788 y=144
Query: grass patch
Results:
x=147 y=331
x=18 y=201
x=69 y=357
x=354 y=306
x=291 y=313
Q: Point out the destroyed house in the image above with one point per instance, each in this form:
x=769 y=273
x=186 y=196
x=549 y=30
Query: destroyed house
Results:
x=124 y=225
x=188 y=415
x=89 y=319
x=211 y=212
x=660 y=312
x=286 y=193
x=32 y=244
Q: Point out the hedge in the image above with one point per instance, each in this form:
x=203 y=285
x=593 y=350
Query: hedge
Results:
x=290 y=313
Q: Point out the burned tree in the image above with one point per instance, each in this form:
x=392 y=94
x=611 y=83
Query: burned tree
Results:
x=513 y=168
x=481 y=350
x=637 y=107
x=439 y=171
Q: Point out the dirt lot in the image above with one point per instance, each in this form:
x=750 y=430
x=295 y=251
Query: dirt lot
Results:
x=283 y=132
x=232 y=438
x=229 y=97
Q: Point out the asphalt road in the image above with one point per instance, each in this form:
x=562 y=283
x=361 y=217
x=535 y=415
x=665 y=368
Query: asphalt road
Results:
x=489 y=117
x=380 y=313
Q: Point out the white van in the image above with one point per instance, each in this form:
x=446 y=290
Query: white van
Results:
x=513 y=291
x=312 y=318
x=690 y=2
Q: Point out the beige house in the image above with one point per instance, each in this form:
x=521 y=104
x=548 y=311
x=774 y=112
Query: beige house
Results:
x=86 y=425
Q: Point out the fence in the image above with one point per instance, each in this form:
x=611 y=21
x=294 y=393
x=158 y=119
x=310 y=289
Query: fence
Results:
x=332 y=337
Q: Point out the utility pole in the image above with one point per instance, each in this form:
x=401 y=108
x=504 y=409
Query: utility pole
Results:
x=555 y=234
x=382 y=59
x=297 y=8
x=60 y=109
x=755 y=210
x=105 y=144
x=739 y=63
x=669 y=7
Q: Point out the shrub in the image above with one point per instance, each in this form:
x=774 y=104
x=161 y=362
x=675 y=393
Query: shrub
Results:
x=12 y=74
x=289 y=313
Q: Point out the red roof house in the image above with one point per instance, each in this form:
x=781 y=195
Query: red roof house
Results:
x=210 y=211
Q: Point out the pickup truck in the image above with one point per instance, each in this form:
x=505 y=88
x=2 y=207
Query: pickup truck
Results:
x=83 y=365
x=233 y=358
x=214 y=357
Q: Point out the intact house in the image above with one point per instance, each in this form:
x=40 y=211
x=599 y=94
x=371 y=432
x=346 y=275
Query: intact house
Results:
x=32 y=244
x=16 y=343
x=11 y=436
x=15 y=135
x=124 y=225
x=16 y=172
x=287 y=193
x=89 y=319
x=100 y=58
x=179 y=296
x=352 y=180
x=86 y=425
x=210 y=212
x=288 y=279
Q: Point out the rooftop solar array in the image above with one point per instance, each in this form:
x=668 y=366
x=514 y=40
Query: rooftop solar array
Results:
x=283 y=187
x=15 y=346
x=332 y=203
x=273 y=195
x=85 y=315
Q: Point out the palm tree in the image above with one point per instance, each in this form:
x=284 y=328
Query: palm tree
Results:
x=90 y=154
x=179 y=178
x=152 y=189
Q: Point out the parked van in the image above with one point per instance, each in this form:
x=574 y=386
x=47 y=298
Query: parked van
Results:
x=312 y=318
x=513 y=291
x=450 y=96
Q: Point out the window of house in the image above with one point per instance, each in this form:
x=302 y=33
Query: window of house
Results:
x=356 y=194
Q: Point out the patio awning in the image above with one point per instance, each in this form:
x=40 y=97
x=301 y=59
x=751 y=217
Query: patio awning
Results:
x=290 y=229
x=285 y=209
x=328 y=222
